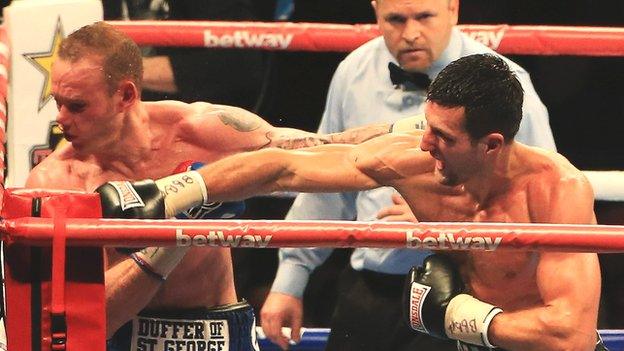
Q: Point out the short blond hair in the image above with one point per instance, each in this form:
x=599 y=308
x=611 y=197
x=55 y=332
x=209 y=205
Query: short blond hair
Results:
x=121 y=56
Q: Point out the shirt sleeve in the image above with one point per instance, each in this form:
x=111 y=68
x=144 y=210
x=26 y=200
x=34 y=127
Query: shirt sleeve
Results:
x=296 y=264
x=535 y=127
x=333 y=120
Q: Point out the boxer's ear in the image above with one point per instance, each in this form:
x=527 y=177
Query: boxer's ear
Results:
x=128 y=92
x=492 y=142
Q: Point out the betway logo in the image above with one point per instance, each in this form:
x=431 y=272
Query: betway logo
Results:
x=246 y=39
x=448 y=241
x=216 y=238
x=488 y=38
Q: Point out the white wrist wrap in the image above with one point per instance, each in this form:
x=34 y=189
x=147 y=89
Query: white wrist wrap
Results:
x=162 y=260
x=468 y=319
x=182 y=191
x=409 y=124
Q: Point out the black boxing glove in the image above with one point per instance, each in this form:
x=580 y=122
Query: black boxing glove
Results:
x=148 y=199
x=140 y=200
x=434 y=304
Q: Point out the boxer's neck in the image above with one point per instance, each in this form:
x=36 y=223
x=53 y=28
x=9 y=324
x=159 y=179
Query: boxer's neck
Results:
x=494 y=176
x=132 y=145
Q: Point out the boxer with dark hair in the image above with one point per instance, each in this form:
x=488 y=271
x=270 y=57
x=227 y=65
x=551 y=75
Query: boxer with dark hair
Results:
x=466 y=167
x=385 y=79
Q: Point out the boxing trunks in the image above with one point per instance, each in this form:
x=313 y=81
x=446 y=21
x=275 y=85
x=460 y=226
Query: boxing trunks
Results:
x=223 y=328
x=461 y=346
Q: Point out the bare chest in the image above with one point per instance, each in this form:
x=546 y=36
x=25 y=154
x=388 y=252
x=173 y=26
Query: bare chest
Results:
x=88 y=175
x=505 y=278
x=457 y=206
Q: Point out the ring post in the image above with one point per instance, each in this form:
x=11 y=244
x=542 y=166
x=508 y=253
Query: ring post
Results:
x=52 y=305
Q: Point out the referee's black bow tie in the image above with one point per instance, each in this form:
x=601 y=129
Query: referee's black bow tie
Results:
x=409 y=80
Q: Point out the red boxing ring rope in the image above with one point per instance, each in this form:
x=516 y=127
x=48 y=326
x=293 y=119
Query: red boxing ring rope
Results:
x=522 y=40
x=261 y=234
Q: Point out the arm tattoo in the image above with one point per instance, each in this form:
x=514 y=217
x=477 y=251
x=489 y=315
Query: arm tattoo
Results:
x=238 y=123
x=290 y=142
x=359 y=134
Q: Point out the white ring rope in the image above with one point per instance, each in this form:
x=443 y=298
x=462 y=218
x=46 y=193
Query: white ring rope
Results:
x=608 y=185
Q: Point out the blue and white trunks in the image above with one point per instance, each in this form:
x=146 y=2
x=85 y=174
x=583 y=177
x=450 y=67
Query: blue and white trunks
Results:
x=223 y=328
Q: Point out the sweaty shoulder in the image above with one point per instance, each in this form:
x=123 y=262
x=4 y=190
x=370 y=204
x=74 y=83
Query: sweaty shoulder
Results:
x=53 y=171
x=554 y=186
x=167 y=111
x=393 y=157
x=221 y=127
x=551 y=166
x=186 y=118
x=228 y=118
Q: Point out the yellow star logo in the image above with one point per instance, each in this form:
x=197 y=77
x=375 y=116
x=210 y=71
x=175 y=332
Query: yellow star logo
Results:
x=43 y=62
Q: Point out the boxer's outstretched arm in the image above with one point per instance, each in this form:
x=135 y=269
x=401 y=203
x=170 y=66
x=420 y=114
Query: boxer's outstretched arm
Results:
x=326 y=168
x=569 y=284
x=233 y=129
x=382 y=161
x=288 y=138
x=222 y=127
x=361 y=134
x=293 y=138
